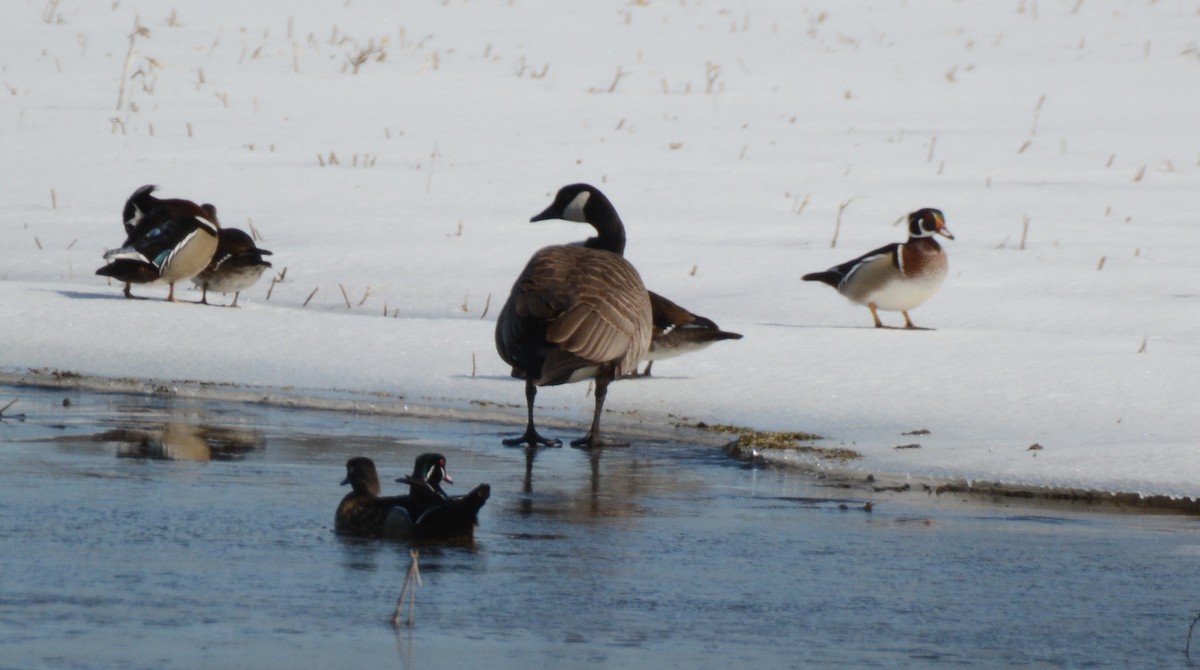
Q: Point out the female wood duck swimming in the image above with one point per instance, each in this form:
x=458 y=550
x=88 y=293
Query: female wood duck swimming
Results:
x=423 y=514
x=235 y=266
x=897 y=277
x=166 y=241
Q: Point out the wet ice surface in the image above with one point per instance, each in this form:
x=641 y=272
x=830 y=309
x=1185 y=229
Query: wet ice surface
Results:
x=661 y=555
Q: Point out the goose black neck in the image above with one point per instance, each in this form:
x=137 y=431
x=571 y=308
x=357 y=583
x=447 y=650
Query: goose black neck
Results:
x=610 y=231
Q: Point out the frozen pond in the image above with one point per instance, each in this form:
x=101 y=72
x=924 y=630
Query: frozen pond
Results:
x=217 y=550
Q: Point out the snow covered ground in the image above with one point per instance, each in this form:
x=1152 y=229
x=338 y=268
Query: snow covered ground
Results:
x=1059 y=137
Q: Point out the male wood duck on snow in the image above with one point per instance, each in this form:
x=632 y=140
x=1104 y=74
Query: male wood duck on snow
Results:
x=678 y=331
x=166 y=241
x=423 y=514
x=235 y=266
x=897 y=277
x=577 y=311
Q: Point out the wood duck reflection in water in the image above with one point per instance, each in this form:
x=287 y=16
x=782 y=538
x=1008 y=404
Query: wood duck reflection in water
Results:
x=182 y=441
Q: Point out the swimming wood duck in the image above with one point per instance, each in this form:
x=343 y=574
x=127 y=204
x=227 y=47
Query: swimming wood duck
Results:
x=577 y=311
x=899 y=276
x=166 y=241
x=429 y=471
x=426 y=513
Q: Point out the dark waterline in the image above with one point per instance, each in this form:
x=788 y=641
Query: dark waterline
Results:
x=154 y=532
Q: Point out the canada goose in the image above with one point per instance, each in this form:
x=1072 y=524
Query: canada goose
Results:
x=235 y=266
x=576 y=311
x=897 y=277
x=678 y=331
x=166 y=241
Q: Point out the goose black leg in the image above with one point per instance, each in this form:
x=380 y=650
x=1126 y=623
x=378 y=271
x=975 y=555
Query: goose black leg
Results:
x=531 y=436
x=592 y=439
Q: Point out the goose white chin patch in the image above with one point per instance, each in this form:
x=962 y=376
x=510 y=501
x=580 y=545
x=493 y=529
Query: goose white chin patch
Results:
x=574 y=210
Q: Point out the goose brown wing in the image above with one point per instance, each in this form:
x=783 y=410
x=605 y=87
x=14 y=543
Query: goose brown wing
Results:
x=535 y=299
x=610 y=320
x=571 y=308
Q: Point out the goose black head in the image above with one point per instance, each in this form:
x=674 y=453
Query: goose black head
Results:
x=928 y=222
x=584 y=203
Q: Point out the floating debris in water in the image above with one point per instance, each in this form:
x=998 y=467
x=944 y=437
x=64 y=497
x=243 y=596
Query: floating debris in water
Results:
x=14 y=417
x=751 y=443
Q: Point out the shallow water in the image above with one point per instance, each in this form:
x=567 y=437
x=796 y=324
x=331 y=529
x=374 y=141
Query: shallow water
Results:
x=164 y=533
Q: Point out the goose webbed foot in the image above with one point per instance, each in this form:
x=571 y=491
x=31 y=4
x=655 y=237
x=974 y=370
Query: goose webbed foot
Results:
x=532 y=438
